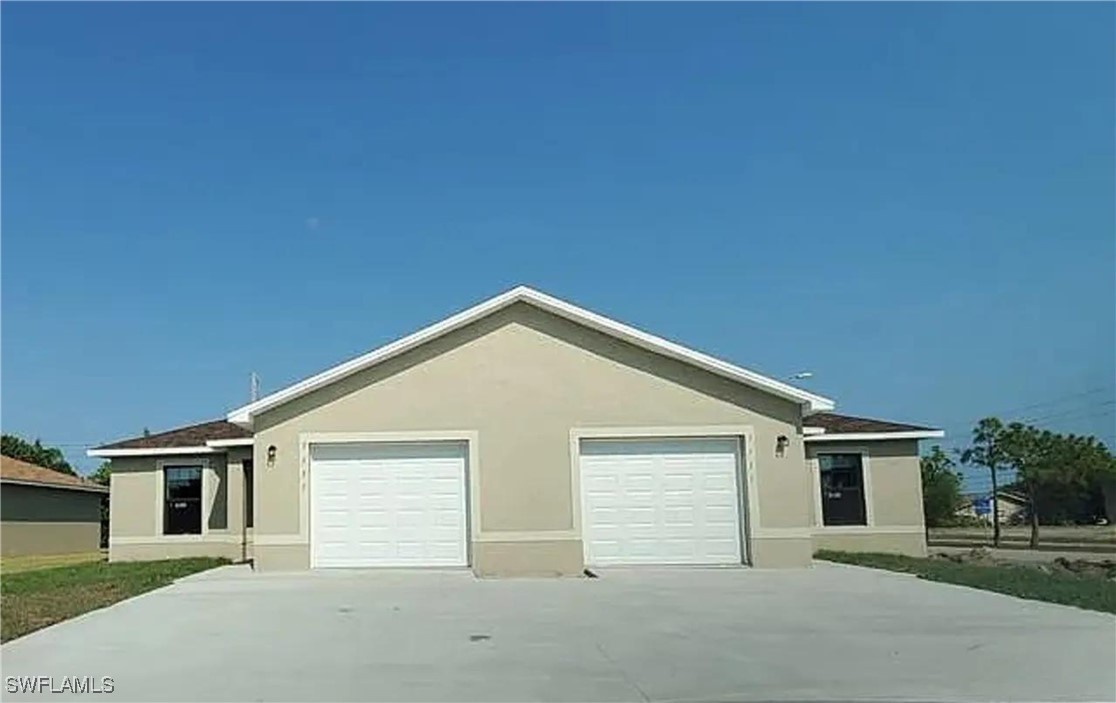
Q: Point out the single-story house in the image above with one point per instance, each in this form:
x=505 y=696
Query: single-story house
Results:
x=43 y=511
x=1012 y=507
x=524 y=435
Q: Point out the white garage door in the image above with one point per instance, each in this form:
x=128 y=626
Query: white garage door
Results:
x=660 y=501
x=384 y=504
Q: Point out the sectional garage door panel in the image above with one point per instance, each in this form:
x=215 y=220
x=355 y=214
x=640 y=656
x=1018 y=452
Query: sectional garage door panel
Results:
x=383 y=505
x=660 y=501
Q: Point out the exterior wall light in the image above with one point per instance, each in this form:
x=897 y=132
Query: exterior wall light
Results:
x=271 y=456
x=781 y=443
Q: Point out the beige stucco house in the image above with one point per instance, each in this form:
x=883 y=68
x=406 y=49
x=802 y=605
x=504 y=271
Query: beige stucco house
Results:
x=524 y=435
x=43 y=511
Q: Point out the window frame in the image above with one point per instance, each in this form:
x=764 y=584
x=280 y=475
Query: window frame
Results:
x=161 y=467
x=866 y=488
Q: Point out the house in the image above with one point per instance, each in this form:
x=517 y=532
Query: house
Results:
x=43 y=511
x=524 y=435
x=1012 y=507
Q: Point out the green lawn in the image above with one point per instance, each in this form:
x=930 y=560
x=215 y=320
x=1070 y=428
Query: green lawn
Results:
x=1084 y=591
x=30 y=600
x=32 y=562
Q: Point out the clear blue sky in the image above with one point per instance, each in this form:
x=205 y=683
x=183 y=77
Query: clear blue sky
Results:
x=913 y=201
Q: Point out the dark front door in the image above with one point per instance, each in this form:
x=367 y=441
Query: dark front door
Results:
x=842 y=489
x=249 y=518
x=182 y=508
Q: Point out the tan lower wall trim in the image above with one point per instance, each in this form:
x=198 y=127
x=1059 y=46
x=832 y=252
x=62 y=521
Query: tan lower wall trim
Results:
x=872 y=530
x=782 y=533
x=281 y=540
x=543 y=536
x=176 y=539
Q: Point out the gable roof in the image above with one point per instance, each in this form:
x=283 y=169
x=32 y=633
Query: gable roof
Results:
x=831 y=426
x=200 y=438
x=523 y=294
x=14 y=470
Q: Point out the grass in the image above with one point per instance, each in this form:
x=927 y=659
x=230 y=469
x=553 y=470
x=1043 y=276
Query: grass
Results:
x=31 y=562
x=1082 y=591
x=30 y=600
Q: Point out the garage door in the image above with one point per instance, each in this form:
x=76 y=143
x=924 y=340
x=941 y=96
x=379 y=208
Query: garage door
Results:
x=387 y=504
x=660 y=501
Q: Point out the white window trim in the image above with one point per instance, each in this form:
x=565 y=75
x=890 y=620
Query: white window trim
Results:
x=160 y=499
x=745 y=471
x=866 y=481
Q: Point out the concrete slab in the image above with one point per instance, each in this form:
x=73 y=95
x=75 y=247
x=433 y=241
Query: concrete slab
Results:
x=828 y=633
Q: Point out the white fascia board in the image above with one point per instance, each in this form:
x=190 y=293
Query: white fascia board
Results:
x=151 y=451
x=869 y=436
x=808 y=431
x=811 y=402
x=237 y=442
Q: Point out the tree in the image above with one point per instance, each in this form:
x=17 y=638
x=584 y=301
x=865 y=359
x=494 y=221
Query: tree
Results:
x=986 y=450
x=941 y=488
x=1047 y=461
x=35 y=453
x=102 y=474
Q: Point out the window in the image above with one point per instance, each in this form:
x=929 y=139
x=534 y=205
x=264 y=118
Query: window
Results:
x=182 y=500
x=842 y=489
x=248 y=517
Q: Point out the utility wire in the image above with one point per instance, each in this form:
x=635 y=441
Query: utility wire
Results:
x=965 y=426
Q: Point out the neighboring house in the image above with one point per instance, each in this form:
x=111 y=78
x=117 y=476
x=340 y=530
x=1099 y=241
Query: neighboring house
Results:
x=524 y=435
x=43 y=511
x=1012 y=507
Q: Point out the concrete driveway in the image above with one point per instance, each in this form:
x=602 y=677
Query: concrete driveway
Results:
x=834 y=633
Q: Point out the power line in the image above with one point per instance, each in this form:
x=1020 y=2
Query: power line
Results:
x=1078 y=411
x=960 y=426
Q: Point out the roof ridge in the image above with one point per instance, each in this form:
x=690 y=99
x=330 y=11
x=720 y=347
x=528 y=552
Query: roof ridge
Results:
x=658 y=345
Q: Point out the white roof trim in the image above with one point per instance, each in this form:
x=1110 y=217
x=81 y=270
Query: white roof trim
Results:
x=813 y=430
x=813 y=403
x=151 y=451
x=237 y=442
x=866 y=436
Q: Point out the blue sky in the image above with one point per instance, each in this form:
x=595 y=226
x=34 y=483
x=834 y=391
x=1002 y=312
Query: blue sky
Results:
x=913 y=201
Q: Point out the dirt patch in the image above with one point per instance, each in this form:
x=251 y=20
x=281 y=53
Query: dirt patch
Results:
x=1083 y=567
x=1102 y=568
x=978 y=555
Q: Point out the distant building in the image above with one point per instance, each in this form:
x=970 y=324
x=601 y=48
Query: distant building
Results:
x=46 y=511
x=1012 y=507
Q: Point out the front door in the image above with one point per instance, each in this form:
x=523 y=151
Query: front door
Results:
x=842 y=489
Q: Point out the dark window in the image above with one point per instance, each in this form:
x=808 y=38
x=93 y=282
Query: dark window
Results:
x=247 y=492
x=182 y=504
x=842 y=489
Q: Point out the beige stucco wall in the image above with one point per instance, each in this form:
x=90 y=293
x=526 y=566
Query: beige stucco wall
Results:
x=522 y=379
x=909 y=543
x=135 y=528
x=893 y=486
x=41 y=520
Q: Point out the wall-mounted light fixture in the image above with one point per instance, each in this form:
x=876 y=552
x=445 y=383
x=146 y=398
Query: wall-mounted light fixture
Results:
x=781 y=443
x=271 y=456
